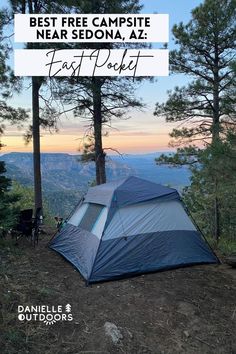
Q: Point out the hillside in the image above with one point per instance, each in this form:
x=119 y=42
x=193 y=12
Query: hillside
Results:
x=65 y=178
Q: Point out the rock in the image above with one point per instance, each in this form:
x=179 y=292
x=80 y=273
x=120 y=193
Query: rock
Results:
x=186 y=309
x=186 y=333
x=112 y=331
x=130 y=334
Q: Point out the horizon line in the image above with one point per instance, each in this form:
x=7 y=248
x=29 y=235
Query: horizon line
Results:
x=70 y=153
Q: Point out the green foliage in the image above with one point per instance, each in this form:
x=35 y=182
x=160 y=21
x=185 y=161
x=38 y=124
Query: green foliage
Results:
x=15 y=197
x=205 y=52
x=184 y=156
x=92 y=183
x=8 y=209
x=25 y=200
x=226 y=246
x=206 y=109
x=88 y=150
x=8 y=82
x=214 y=178
x=61 y=203
x=25 y=195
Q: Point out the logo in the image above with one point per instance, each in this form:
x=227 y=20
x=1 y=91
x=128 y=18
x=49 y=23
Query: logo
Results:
x=46 y=314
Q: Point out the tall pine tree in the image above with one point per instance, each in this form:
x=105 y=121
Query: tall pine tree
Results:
x=8 y=83
x=37 y=7
x=206 y=106
x=101 y=99
x=7 y=114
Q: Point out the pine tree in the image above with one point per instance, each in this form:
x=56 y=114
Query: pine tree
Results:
x=206 y=106
x=10 y=115
x=7 y=81
x=214 y=163
x=36 y=7
x=101 y=99
x=8 y=211
x=206 y=48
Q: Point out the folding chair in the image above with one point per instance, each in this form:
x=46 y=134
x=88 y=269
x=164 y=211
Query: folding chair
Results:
x=25 y=224
x=28 y=226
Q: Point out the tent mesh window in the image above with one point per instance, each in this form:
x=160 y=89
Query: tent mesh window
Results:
x=90 y=217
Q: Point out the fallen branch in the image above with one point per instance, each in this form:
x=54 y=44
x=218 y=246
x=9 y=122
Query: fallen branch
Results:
x=204 y=342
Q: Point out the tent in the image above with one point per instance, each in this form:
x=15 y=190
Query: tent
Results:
x=130 y=227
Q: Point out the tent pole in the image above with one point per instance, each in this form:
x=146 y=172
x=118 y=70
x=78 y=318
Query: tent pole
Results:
x=77 y=205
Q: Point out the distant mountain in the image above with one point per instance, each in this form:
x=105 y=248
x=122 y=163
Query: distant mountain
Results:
x=144 y=166
x=65 y=178
x=60 y=171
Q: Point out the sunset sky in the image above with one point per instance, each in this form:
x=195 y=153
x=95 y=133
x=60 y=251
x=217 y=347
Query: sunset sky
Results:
x=141 y=133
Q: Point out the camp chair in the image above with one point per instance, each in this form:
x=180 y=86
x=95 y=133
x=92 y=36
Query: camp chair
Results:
x=25 y=224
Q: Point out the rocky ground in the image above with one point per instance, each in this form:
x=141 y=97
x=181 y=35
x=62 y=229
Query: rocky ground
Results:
x=188 y=310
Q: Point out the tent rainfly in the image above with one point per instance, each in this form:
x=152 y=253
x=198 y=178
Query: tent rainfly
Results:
x=130 y=227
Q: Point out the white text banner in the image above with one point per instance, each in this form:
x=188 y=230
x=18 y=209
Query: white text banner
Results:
x=90 y=62
x=129 y=28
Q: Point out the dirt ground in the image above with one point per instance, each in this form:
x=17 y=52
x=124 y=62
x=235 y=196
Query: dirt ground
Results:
x=188 y=310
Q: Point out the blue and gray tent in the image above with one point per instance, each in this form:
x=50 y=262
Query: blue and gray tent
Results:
x=130 y=227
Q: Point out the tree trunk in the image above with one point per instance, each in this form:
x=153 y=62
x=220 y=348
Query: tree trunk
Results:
x=97 y=126
x=216 y=108
x=216 y=214
x=216 y=135
x=36 y=142
x=217 y=221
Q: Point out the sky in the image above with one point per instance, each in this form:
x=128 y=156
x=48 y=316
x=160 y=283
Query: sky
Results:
x=142 y=133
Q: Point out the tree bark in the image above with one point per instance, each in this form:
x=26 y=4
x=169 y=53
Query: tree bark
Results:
x=217 y=214
x=97 y=126
x=216 y=102
x=216 y=134
x=36 y=143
